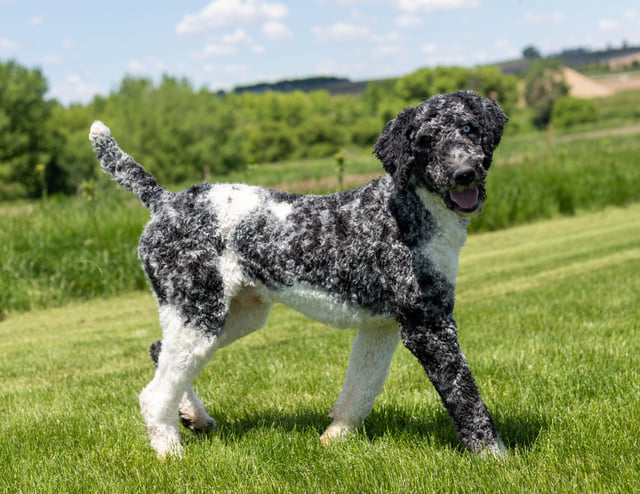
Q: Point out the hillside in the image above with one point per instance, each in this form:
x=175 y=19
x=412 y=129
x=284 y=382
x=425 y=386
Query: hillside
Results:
x=575 y=59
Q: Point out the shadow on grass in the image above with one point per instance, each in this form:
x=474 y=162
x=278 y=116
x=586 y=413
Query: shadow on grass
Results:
x=519 y=430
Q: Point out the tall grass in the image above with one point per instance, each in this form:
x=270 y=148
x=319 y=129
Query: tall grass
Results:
x=561 y=177
x=548 y=316
x=67 y=249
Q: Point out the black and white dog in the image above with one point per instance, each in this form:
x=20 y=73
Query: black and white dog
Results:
x=382 y=258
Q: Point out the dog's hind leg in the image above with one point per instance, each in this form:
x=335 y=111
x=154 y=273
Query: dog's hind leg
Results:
x=192 y=413
x=184 y=352
x=369 y=363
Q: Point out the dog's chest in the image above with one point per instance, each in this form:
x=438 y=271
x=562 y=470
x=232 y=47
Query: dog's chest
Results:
x=442 y=246
x=443 y=251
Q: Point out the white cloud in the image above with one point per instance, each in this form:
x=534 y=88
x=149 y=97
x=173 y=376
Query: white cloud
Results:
x=503 y=49
x=413 y=6
x=383 y=50
x=37 y=20
x=428 y=48
x=341 y=32
x=257 y=49
x=215 y=50
x=136 y=67
x=276 y=31
x=74 y=89
x=630 y=15
x=407 y=21
x=7 y=45
x=51 y=58
x=237 y=37
x=67 y=43
x=552 y=18
x=152 y=64
x=219 y=13
x=231 y=69
x=345 y=2
x=158 y=64
x=607 y=24
x=224 y=45
x=388 y=38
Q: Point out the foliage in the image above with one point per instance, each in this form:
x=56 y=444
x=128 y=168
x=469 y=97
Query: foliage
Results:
x=544 y=84
x=568 y=111
x=531 y=53
x=487 y=81
x=620 y=107
x=183 y=134
x=25 y=139
x=551 y=337
x=178 y=133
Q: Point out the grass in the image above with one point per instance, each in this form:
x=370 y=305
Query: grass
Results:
x=549 y=319
x=68 y=248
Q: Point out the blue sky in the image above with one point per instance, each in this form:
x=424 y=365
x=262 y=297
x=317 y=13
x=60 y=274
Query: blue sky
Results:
x=86 y=48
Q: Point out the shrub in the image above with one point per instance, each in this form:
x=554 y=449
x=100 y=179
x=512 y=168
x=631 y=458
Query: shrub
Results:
x=569 y=111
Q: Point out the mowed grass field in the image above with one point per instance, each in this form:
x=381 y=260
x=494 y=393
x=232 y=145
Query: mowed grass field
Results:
x=548 y=317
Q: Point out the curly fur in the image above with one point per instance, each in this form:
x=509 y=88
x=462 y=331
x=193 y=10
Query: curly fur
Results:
x=382 y=258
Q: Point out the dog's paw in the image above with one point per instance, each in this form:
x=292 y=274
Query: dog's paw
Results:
x=337 y=431
x=165 y=446
x=497 y=451
x=198 y=426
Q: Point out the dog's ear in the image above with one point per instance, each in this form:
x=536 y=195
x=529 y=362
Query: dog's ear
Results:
x=394 y=147
x=495 y=120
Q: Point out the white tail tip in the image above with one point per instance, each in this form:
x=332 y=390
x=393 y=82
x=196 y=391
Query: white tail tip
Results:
x=98 y=131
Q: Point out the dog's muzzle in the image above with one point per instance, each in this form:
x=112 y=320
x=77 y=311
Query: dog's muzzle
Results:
x=467 y=196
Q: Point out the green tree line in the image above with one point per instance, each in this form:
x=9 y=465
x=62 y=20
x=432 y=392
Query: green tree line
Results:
x=182 y=133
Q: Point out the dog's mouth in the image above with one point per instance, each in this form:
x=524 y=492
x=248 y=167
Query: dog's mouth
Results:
x=466 y=202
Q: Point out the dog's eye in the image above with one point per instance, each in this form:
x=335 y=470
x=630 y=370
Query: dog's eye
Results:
x=466 y=129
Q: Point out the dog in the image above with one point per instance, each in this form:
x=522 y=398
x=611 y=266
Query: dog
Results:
x=382 y=258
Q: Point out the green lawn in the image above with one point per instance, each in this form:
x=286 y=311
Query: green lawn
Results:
x=549 y=316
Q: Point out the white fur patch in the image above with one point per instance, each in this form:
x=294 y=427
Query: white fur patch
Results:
x=325 y=308
x=280 y=209
x=448 y=237
x=232 y=203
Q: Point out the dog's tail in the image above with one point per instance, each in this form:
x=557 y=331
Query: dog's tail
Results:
x=124 y=170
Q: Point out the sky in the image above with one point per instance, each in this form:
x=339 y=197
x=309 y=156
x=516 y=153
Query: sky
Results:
x=86 y=48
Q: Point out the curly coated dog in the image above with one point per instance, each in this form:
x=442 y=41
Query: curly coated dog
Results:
x=382 y=258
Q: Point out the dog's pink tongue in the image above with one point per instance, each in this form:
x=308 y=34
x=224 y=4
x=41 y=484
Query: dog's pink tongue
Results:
x=466 y=199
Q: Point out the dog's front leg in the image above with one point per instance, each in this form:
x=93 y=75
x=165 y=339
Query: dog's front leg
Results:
x=436 y=346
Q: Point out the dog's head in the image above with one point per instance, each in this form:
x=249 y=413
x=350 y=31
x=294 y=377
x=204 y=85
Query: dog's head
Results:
x=445 y=144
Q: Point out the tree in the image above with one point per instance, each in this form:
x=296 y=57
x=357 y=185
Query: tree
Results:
x=531 y=53
x=27 y=150
x=544 y=84
x=487 y=81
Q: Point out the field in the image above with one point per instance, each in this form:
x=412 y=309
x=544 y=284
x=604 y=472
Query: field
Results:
x=547 y=304
x=549 y=319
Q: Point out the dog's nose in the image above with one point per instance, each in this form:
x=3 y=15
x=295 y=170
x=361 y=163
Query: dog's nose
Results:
x=465 y=176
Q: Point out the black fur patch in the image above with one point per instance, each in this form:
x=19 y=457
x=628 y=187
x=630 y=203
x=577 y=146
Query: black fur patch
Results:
x=179 y=248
